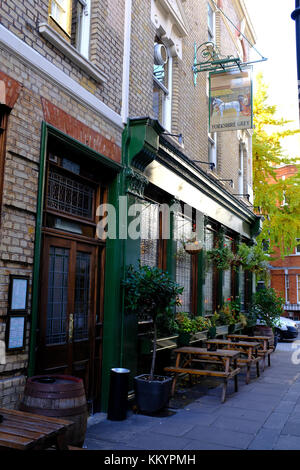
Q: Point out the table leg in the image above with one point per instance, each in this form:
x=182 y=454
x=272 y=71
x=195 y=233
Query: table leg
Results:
x=236 y=382
x=248 y=374
x=61 y=443
x=224 y=391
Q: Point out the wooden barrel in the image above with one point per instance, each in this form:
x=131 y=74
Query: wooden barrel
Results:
x=59 y=396
x=262 y=330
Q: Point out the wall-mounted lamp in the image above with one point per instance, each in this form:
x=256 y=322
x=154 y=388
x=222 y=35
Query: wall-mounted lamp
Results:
x=212 y=165
x=230 y=182
x=179 y=136
x=243 y=195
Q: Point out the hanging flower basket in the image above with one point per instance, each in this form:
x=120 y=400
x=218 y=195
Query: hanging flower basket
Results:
x=193 y=248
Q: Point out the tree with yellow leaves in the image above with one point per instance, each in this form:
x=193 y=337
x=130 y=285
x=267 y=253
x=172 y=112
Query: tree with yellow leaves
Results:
x=282 y=221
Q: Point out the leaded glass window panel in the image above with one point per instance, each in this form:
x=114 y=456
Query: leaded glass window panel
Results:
x=57 y=295
x=183 y=230
x=69 y=195
x=149 y=234
x=82 y=296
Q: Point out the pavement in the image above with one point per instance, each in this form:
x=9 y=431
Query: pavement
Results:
x=264 y=415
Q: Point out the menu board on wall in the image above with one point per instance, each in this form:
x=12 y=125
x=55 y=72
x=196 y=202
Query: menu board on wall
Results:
x=15 y=332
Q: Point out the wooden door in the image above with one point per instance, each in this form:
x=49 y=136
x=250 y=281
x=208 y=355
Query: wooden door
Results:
x=68 y=308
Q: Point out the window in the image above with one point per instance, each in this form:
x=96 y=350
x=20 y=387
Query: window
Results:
x=210 y=23
x=60 y=12
x=73 y=17
x=208 y=286
x=149 y=248
x=80 y=33
x=242 y=289
x=297 y=249
x=162 y=85
x=227 y=274
x=183 y=230
x=287 y=288
x=241 y=169
x=212 y=148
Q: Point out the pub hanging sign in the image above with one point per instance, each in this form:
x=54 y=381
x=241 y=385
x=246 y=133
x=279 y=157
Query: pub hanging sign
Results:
x=230 y=100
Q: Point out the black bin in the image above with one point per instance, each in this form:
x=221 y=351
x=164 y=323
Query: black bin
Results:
x=118 y=394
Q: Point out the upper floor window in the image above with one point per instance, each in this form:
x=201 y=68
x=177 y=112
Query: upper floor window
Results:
x=73 y=18
x=241 y=168
x=210 y=22
x=162 y=85
x=61 y=12
x=287 y=288
x=297 y=249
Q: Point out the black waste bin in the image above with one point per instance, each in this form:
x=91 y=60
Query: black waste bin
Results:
x=118 y=394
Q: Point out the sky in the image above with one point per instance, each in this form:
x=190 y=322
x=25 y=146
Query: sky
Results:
x=276 y=40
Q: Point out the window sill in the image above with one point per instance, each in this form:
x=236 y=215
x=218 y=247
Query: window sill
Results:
x=69 y=51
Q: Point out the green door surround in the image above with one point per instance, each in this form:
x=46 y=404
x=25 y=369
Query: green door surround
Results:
x=112 y=337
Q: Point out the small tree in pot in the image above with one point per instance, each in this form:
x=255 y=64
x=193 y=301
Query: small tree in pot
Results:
x=266 y=307
x=150 y=292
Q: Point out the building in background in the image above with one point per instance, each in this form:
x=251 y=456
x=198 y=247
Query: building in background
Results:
x=95 y=97
x=285 y=272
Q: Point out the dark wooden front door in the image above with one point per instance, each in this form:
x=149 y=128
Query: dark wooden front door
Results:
x=68 y=308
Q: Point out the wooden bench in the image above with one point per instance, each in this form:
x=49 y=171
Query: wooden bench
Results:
x=221 y=358
x=266 y=348
x=248 y=349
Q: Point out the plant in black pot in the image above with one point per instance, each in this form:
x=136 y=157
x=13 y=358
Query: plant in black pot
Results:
x=150 y=291
x=266 y=308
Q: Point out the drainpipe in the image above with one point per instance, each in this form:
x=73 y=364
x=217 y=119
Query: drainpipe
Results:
x=126 y=61
x=296 y=17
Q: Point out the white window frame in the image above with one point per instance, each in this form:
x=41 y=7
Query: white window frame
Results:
x=212 y=148
x=241 y=168
x=297 y=250
x=83 y=41
x=287 y=288
x=211 y=14
x=167 y=95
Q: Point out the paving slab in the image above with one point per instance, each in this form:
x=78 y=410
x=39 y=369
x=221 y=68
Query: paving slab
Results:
x=265 y=439
x=263 y=415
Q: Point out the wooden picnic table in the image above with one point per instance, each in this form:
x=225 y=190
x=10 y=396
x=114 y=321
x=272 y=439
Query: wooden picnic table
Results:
x=21 y=431
x=248 y=350
x=265 y=350
x=187 y=357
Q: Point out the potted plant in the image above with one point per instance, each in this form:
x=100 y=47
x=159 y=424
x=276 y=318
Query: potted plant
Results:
x=184 y=326
x=212 y=330
x=187 y=326
x=150 y=291
x=229 y=313
x=266 y=308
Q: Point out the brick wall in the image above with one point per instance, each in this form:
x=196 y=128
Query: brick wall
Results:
x=106 y=46
x=189 y=103
x=18 y=212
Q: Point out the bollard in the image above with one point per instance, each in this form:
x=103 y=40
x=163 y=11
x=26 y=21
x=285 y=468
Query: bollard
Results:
x=118 y=394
